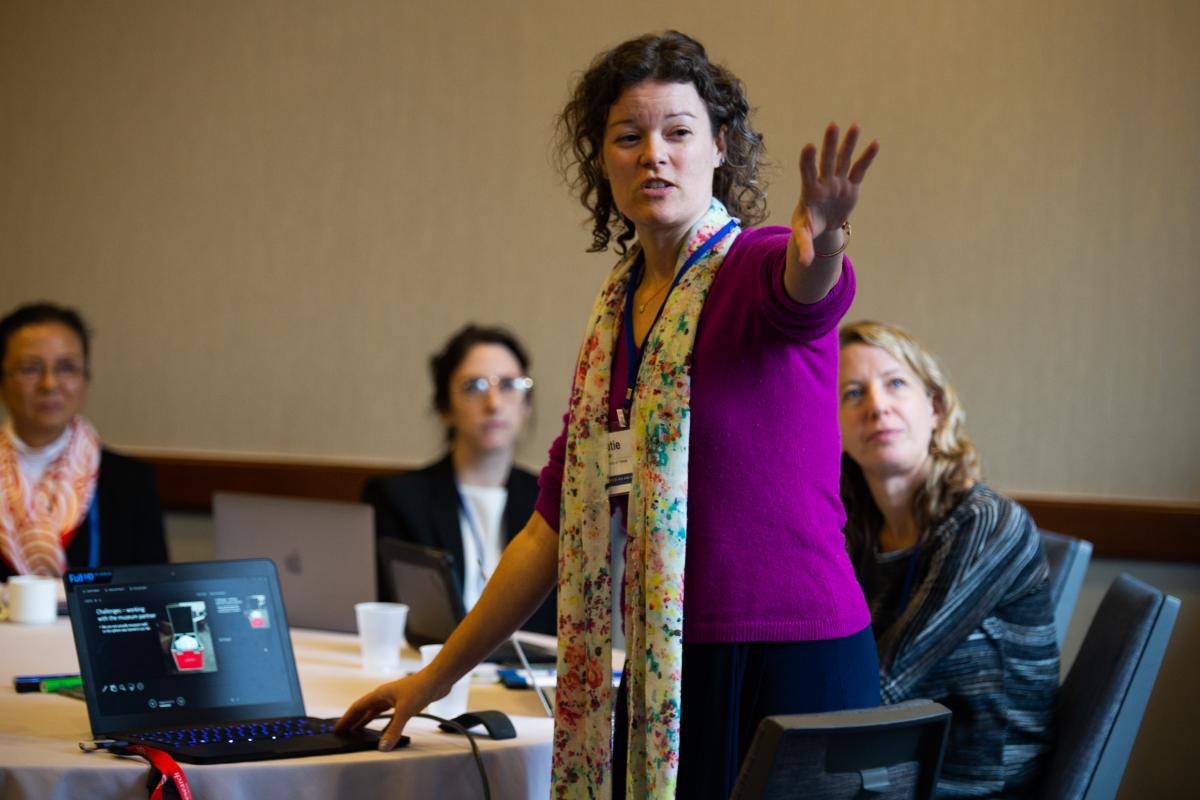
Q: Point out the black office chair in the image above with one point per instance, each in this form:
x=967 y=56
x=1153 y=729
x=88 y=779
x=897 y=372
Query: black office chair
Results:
x=884 y=753
x=1068 y=558
x=1101 y=702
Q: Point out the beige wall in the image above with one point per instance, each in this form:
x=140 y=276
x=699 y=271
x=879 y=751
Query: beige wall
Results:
x=273 y=211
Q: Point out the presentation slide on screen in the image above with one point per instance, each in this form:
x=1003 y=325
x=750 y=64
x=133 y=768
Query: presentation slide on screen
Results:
x=205 y=644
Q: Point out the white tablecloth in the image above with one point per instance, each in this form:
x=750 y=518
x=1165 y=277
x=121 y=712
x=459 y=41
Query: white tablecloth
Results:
x=40 y=758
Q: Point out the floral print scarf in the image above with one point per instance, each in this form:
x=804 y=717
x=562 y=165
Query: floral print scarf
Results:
x=657 y=529
x=35 y=521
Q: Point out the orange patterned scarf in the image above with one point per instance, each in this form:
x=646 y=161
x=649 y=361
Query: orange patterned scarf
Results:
x=34 y=528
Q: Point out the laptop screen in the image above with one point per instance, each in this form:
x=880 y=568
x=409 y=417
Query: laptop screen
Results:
x=182 y=644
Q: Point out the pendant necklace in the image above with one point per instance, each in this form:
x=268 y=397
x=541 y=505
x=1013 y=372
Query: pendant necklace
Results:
x=646 y=301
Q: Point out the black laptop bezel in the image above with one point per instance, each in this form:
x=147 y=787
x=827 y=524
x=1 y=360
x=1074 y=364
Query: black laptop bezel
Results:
x=428 y=564
x=403 y=560
x=104 y=725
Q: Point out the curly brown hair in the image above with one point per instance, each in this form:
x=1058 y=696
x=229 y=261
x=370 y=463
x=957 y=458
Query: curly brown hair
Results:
x=670 y=57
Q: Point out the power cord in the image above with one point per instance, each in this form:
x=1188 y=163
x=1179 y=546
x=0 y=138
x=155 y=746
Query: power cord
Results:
x=457 y=727
x=449 y=723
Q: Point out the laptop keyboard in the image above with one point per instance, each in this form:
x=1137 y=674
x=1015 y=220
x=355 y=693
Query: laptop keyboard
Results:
x=263 y=731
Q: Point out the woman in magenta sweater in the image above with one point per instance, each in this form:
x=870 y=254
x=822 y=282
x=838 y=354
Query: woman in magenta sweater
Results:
x=703 y=419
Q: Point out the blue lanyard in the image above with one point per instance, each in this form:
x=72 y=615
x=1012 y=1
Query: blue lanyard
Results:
x=473 y=526
x=635 y=351
x=94 y=533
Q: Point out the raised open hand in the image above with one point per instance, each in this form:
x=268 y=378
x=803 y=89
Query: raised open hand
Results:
x=828 y=196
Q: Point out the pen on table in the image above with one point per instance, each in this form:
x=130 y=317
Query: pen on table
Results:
x=33 y=683
x=51 y=685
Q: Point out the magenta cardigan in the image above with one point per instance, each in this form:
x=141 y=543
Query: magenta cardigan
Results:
x=766 y=559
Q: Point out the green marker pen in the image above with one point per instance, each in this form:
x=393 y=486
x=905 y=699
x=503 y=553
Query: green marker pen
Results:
x=54 y=684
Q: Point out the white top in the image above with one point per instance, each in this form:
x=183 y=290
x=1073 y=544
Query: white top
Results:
x=482 y=527
x=32 y=462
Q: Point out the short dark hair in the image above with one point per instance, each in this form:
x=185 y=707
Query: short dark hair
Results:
x=444 y=362
x=670 y=57
x=42 y=313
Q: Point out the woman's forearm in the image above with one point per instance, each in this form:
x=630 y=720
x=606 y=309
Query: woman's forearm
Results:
x=525 y=576
x=810 y=283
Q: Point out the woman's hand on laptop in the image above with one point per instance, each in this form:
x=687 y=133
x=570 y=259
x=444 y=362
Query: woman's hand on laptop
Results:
x=403 y=698
x=523 y=579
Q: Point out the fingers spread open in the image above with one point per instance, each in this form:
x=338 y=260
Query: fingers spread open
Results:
x=808 y=165
x=828 y=150
x=846 y=151
x=859 y=170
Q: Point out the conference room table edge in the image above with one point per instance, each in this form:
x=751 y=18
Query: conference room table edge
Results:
x=39 y=734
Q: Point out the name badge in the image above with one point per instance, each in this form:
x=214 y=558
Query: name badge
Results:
x=620 y=462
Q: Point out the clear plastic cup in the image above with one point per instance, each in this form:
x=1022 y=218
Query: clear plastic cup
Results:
x=454 y=703
x=381 y=635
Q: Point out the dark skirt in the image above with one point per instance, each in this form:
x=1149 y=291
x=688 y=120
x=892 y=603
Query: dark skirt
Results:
x=729 y=688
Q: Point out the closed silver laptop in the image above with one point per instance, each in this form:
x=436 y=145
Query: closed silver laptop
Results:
x=324 y=552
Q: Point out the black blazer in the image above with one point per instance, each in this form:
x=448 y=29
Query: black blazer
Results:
x=421 y=507
x=130 y=516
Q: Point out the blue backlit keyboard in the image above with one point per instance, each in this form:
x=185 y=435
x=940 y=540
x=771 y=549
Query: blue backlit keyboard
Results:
x=263 y=730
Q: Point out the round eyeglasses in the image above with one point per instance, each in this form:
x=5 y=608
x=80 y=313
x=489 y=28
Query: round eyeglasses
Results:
x=30 y=372
x=508 y=386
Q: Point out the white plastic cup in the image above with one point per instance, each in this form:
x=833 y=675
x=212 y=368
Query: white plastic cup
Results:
x=32 y=599
x=454 y=703
x=381 y=635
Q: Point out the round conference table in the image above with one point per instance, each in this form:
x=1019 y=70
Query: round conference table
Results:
x=40 y=758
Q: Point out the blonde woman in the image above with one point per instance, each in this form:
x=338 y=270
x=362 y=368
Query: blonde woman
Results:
x=953 y=572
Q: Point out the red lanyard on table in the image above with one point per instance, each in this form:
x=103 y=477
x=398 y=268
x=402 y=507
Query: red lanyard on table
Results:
x=169 y=771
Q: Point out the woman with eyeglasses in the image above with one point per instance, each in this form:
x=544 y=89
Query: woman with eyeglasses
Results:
x=473 y=500
x=66 y=501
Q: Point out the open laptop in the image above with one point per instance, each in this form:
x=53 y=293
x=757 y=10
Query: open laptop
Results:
x=195 y=659
x=324 y=551
x=423 y=578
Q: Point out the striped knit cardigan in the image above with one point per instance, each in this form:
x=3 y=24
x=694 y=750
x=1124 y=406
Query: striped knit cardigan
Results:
x=978 y=636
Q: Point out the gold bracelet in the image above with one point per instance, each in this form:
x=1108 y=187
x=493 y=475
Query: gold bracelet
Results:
x=840 y=250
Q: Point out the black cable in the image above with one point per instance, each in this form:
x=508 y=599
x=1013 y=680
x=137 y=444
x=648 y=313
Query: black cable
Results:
x=487 y=786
